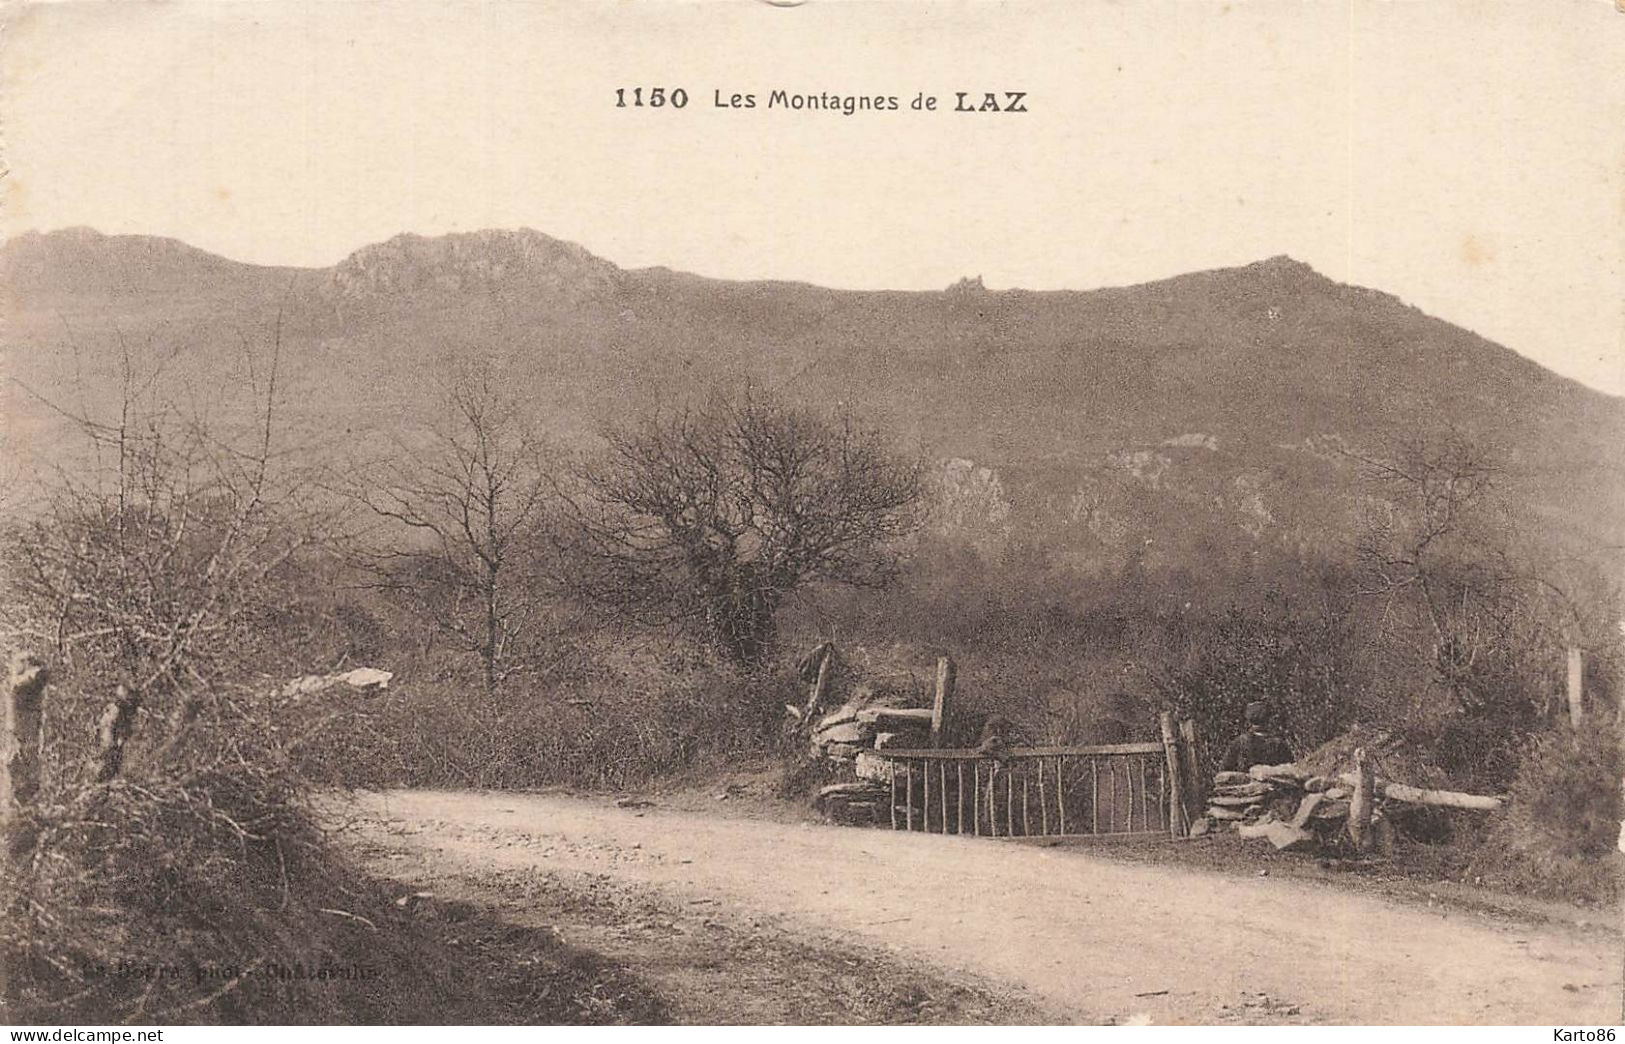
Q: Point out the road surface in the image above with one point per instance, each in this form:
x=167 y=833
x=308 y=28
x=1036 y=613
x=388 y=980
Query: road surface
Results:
x=1080 y=938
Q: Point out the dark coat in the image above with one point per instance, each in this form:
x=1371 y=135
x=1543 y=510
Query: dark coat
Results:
x=1255 y=747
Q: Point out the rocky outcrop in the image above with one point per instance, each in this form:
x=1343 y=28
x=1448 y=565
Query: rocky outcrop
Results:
x=474 y=262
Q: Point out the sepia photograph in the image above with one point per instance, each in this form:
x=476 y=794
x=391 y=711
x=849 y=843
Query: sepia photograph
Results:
x=788 y=513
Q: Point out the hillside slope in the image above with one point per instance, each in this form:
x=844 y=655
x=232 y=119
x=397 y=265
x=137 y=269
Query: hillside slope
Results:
x=1210 y=408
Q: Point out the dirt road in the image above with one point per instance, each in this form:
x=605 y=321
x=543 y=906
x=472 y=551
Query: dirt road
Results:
x=1085 y=939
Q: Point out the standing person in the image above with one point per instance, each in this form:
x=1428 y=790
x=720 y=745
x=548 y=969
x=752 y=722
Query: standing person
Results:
x=1260 y=744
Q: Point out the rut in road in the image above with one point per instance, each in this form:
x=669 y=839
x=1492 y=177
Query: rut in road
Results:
x=1094 y=940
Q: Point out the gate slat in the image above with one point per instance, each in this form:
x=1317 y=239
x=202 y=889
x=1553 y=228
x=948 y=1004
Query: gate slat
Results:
x=959 y=772
x=1043 y=801
x=1126 y=793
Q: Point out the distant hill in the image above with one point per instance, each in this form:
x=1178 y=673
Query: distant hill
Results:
x=1205 y=411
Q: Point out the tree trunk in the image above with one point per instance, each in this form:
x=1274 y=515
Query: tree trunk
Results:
x=492 y=625
x=20 y=738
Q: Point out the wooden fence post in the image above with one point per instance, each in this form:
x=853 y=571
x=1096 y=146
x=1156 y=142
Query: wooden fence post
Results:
x=1363 y=802
x=20 y=736
x=1190 y=749
x=117 y=722
x=820 y=688
x=945 y=693
x=1178 y=825
x=1576 y=686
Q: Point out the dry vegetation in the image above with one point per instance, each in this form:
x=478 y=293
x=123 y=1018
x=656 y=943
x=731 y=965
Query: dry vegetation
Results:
x=640 y=621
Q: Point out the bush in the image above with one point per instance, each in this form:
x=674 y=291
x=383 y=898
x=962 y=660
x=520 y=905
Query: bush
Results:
x=612 y=731
x=219 y=902
x=1557 y=836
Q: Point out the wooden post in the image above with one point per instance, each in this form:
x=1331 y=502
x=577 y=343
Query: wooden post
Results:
x=925 y=812
x=1178 y=824
x=993 y=799
x=1043 y=800
x=976 y=799
x=117 y=722
x=942 y=790
x=1576 y=686
x=1010 y=803
x=893 y=764
x=1060 y=791
x=1094 y=795
x=945 y=694
x=1026 y=798
x=820 y=687
x=1145 y=797
x=959 y=797
x=20 y=734
x=1128 y=776
x=908 y=770
x=1363 y=802
x=1190 y=763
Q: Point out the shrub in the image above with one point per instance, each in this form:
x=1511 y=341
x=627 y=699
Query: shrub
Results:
x=611 y=731
x=1557 y=836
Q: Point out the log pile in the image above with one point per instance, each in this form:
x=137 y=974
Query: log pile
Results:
x=1291 y=808
x=848 y=737
x=865 y=723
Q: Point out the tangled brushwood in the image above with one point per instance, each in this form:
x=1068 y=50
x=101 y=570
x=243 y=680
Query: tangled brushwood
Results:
x=168 y=899
x=159 y=865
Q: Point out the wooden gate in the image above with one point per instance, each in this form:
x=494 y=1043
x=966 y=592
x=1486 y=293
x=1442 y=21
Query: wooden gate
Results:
x=1111 y=789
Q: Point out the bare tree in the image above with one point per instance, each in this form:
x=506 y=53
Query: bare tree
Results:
x=1435 y=549
x=152 y=566
x=711 y=517
x=1461 y=609
x=473 y=501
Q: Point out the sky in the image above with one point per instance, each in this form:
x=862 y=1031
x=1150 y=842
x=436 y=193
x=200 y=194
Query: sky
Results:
x=1466 y=156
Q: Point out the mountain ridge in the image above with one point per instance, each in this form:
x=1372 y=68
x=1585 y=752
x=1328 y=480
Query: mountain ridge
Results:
x=1054 y=390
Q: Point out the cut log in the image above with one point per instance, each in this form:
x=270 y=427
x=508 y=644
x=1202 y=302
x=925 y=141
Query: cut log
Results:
x=1234 y=802
x=842 y=751
x=846 y=732
x=909 y=740
x=1316 y=784
x=1281 y=835
x=1254 y=789
x=896 y=718
x=1306 y=808
x=866 y=789
x=839 y=716
x=1282 y=773
x=1224 y=813
x=1440 y=798
x=1222 y=778
x=1202 y=825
